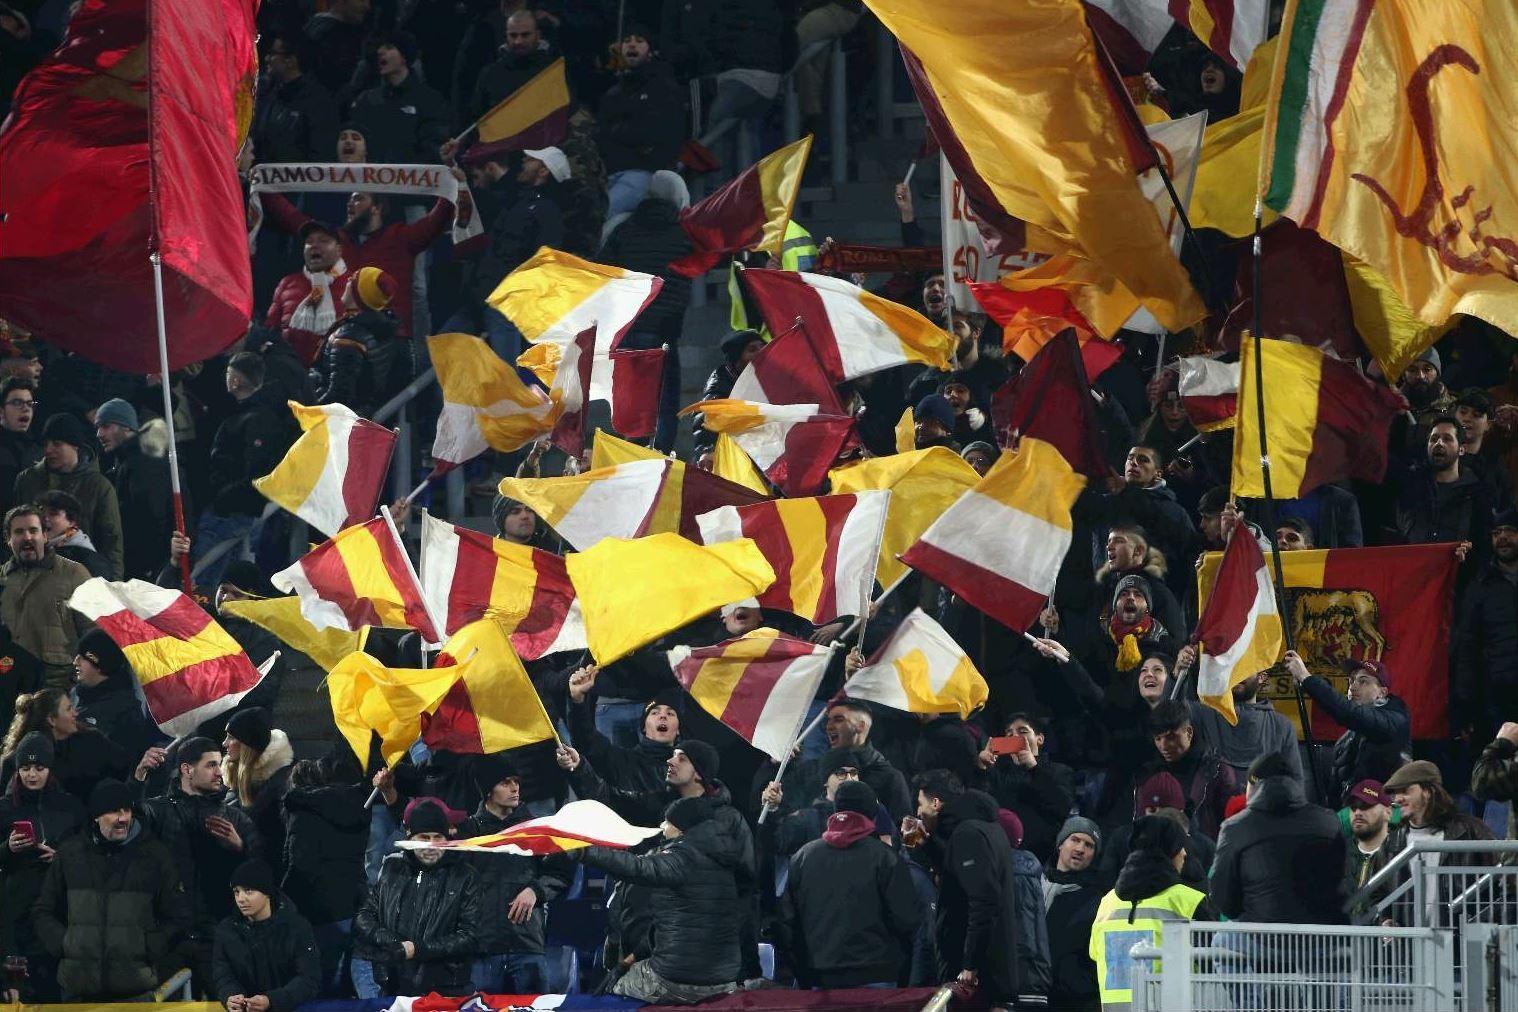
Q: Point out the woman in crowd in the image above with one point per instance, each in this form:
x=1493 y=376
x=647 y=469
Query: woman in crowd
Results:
x=82 y=755
x=105 y=697
x=257 y=770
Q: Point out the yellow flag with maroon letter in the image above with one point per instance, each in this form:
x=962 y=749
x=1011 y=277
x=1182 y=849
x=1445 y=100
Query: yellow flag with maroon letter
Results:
x=1390 y=133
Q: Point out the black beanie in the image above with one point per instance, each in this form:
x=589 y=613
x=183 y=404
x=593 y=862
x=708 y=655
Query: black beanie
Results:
x=65 y=428
x=856 y=796
x=489 y=770
x=687 y=813
x=253 y=727
x=36 y=749
x=100 y=650
x=672 y=698
x=426 y=817
x=109 y=796
x=703 y=757
x=256 y=875
x=1157 y=833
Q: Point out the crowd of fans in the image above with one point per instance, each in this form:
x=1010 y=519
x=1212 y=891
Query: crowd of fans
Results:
x=896 y=849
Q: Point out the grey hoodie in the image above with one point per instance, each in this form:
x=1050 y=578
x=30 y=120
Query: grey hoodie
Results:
x=1260 y=731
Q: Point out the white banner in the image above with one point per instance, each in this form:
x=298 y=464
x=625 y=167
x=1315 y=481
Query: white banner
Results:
x=964 y=251
x=340 y=177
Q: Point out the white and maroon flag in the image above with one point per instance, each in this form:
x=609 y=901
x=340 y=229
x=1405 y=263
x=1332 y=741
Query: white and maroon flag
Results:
x=1210 y=391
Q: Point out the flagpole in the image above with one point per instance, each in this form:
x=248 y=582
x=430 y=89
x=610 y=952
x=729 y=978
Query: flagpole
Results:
x=437 y=627
x=790 y=752
x=1269 y=503
x=168 y=413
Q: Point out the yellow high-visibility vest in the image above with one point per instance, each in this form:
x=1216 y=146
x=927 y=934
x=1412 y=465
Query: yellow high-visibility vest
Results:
x=1113 y=935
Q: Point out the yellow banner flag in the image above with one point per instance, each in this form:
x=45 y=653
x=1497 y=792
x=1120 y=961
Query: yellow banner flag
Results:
x=369 y=697
x=281 y=616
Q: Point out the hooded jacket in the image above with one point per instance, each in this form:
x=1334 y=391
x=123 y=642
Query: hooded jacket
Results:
x=248 y=444
x=849 y=911
x=99 y=511
x=115 y=914
x=55 y=816
x=18 y=451
x=1260 y=730
x=296 y=121
x=1485 y=670
x=141 y=480
x=1281 y=860
x=436 y=908
x=276 y=957
x=326 y=833
x=178 y=819
x=695 y=893
x=635 y=128
x=362 y=363
x=648 y=240
x=641 y=768
x=113 y=709
x=500 y=877
x=1148 y=873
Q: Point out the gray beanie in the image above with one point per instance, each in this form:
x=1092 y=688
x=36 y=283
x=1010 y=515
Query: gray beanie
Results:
x=1079 y=824
x=1431 y=356
x=1136 y=582
x=118 y=411
x=668 y=186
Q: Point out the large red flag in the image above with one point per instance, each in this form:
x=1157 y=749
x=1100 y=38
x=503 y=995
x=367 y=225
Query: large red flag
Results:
x=1051 y=400
x=128 y=133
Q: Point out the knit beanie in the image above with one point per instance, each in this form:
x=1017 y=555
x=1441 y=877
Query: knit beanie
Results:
x=1159 y=834
x=935 y=407
x=109 y=796
x=425 y=815
x=1162 y=790
x=65 y=428
x=36 y=749
x=373 y=287
x=1079 y=824
x=253 y=727
x=687 y=813
x=1136 y=582
x=100 y=650
x=856 y=796
x=1011 y=825
x=703 y=757
x=118 y=412
x=255 y=875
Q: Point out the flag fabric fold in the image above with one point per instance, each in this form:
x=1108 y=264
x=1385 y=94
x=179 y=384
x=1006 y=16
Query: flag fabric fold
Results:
x=1050 y=399
x=1239 y=630
x=604 y=502
x=467 y=576
x=536 y=115
x=281 y=617
x=730 y=463
x=920 y=669
x=333 y=475
x=189 y=668
x=1000 y=545
x=369 y=698
x=632 y=591
x=788 y=370
x=759 y=684
x=687 y=491
x=1209 y=390
x=793 y=445
x=492 y=705
x=359 y=577
x=485 y=402
x=750 y=211
x=824 y=550
x=554 y=296
x=576 y=825
x=1232 y=29
x=1324 y=421
x=628 y=380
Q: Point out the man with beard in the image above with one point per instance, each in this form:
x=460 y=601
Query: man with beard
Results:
x=34 y=602
x=635 y=131
x=935 y=303
x=1130 y=624
x=1441 y=500
x=1379 y=734
x=1365 y=853
x=1129 y=552
x=419 y=923
x=1072 y=892
x=208 y=839
x=308 y=302
x=1485 y=675
x=1424 y=389
x=1141 y=497
x=1260 y=729
x=847 y=728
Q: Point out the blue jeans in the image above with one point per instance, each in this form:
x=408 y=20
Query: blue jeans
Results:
x=510 y=973
x=620 y=721
x=625 y=190
x=384 y=830
x=364 y=985
x=211 y=530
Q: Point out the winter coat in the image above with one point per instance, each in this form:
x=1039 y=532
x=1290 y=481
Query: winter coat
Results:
x=1155 y=509
x=402 y=124
x=1070 y=902
x=362 y=363
x=99 y=511
x=1148 y=873
x=114 y=914
x=143 y=495
x=276 y=958
x=1164 y=607
x=504 y=75
x=113 y=709
x=649 y=240
x=1032 y=927
x=1042 y=798
x=637 y=122
x=641 y=768
x=77 y=547
x=1281 y=860
x=393 y=249
x=1378 y=740
x=803 y=781
x=718 y=385
x=532 y=220
x=1495 y=778
x=55 y=816
x=296 y=121
x=289 y=294
x=80 y=761
x=500 y=877
x=1260 y=730
x=849 y=911
x=749 y=35
x=945 y=742
x=1430 y=512
x=689 y=31
x=271 y=780
x=1485 y=675
x=206 y=865
x=18 y=451
x=978 y=916
x=437 y=908
x=1206 y=781
x=248 y=444
x=335 y=49
x=695 y=893
x=1117 y=845
x=326 y=834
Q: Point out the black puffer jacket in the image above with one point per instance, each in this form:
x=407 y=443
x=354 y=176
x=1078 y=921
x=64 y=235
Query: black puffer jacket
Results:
x=641 y=768
x=1281 y=860
x=500 y=78
x=276 y=958
x=18 y=451
x=147 y=508
x=248 y=445
x=206 y=865
x=648 y=240
x=695 y=893
x=1378 y=740
x=637 y=122
x=437 y=909
x=500 y=877
x=528 y=219
x=326 y=832
x=849 y=911
x=1430 y=511
x=55 y=816
x=363 y=362
x=114 y=914
x=1070 y=902
x=113 y=709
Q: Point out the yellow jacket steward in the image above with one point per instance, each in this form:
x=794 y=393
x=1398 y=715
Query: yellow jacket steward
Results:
x=1121 y=924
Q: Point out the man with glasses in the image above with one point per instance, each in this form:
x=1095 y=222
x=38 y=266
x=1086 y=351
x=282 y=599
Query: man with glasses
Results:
x=806 y=824
x=19 y=449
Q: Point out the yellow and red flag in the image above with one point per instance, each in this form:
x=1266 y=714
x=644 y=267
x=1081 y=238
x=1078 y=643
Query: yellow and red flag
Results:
x=492 y=705
x=1239 y=630
x=793 y=445
x=554 y=296
x=333 y=476
x=369 y=698
x=751 y=211
x=189 y=668
x=485 y=403
x=576 y=825
x=360 y=577
x=759 y=684
x=536 y=115
x=687 y=491
x=281 y=617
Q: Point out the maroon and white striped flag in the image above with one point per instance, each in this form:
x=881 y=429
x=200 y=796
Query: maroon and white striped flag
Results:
x=333 y=476
x=578 y=824
x=1210 y=391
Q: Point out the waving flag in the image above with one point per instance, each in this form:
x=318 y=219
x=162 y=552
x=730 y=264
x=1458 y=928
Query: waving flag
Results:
x=760 y=684
x=920 y=669
x=1135 y=28
x=190 y=670
x=731 y=463
x=632 y=591
x=823 y=550
x=577 y=374
x=281 y=617
x=1240 y=627
x=369 y=698
x=485 y=402
x=1210 y=391
x=359 y=577
x=687 y=491
x=604 y=502
x=492 y=705
x=1050 y=399
x=536 y=115
x=578 y=824
x=923 y=484
x=554 y=296
x=333 y=476
x=788 y=370
x=750 y=211
x=853 y=332
x=1000 y=545
x=792 y=444
x=467 y=576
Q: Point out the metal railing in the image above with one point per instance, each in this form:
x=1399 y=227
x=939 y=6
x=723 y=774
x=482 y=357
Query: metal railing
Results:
x=1490 y=960
x=1295 y=967
x=401 y=477
x=1446 y=884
